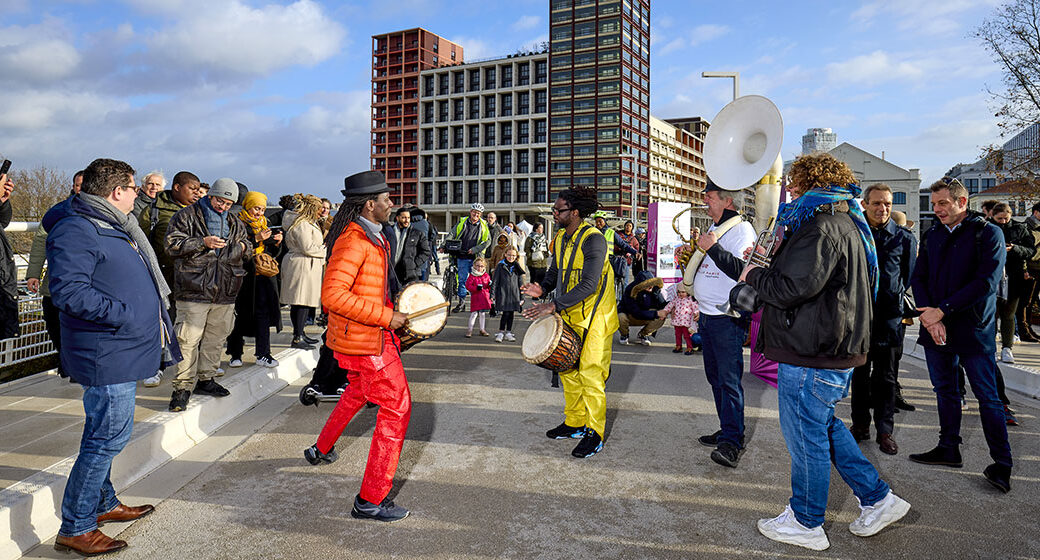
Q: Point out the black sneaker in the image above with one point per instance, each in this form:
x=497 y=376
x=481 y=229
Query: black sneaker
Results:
x=300 y=344
x=458 y=308
x=315 y=457
x=563 y=431
x=589 y=445
x=179 y=400
x=999 y=476
x=726 y=454
x=385 y=511
x=210 y=387
x=711 y=440
x=945 y=456
x=310 y=340
x=901 y=404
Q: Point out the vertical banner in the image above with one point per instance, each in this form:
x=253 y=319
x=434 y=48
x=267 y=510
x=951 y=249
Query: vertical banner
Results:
x=663 y=241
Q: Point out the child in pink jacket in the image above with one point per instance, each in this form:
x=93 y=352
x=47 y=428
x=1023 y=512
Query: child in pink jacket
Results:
x=478 y=285
x=685 y=312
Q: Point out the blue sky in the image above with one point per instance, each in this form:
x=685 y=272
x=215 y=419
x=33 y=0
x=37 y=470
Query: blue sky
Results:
x=276 y=93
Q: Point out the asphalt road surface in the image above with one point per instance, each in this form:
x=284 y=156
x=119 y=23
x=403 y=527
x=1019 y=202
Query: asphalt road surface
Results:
x=483 y=481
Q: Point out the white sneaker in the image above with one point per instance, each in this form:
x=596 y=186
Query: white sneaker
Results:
x=154 y=380
x=786 y=529
x=624 y=340
x=219 y=372
x=874 y=518
x=1006 y=356
x=499 y=336
x=644 y=340
x=235 y=363
x=267 y=362
x=510 y=337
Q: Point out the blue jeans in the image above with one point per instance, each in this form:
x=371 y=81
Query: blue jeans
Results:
x=723 y=349
x=464 y=267
x=109 y=422
x=981 y=371
x=815 y=439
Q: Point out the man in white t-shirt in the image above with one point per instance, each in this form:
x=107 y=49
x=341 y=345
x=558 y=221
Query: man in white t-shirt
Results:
x=723 y=336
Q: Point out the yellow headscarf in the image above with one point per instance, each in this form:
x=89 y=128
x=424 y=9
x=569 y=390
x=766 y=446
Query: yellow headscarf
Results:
x=252 y=200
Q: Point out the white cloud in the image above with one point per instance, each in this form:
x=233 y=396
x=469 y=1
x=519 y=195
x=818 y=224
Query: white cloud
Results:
x=933 y=17
x=872 y=69
x=526 y=22
x=233 y=37
x=38 y=109
x=672 y=46
x=37 y=53
x=707 y=32
x=475 y=49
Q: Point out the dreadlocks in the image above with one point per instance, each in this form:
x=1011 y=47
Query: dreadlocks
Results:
x=581 y=198
x=348 y=212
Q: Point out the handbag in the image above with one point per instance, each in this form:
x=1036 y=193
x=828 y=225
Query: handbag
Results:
x=266 y=265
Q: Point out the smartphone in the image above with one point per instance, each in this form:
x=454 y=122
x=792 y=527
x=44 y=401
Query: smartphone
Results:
x=274 y=228
x=5 y=167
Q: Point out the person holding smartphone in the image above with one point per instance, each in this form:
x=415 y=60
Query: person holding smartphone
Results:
x=8 y=270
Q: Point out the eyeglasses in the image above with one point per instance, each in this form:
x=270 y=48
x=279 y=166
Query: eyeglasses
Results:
x=137 y=190
x=557 y=211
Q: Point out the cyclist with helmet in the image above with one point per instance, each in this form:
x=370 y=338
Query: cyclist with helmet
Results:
x=475 y=236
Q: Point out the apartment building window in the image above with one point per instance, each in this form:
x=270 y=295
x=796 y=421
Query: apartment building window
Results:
x=456 y=192
x=474 y=136
x=522 y=165
x=541 y=71
x=442 y=193
x=539 y=132
x=458 y=112
x=474 y=80
x=474 y=191
x=427 y=166
x=898 y=197
x=489 y=192
x=442 y=139
x=507 y=134
x=474 y=164
x=506 y=103
x=460 y=82
x=541 y=99
x=540 y=192
x=507 y=163
x=489 y=134
x=474 y=108
x=506 y=191
x=458 y=137
x=522 y=192
x=457 y=165
x=427 y=86
x=427 y=193
x=539 y=161
x=523 y=129
x=489 y=78
x=489 y=163
x=442 y=166
x=489 y=107
x=442 y=111
x=427 y=112
x=523 y=72
x=507 y=76
x=523 y=102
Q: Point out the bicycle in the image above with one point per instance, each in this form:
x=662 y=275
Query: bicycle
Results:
x=450 y=287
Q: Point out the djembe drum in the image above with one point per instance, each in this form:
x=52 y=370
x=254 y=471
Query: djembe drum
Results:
x=551 y=344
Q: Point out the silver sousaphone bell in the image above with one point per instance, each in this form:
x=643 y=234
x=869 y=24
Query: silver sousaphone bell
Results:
x=742 y=149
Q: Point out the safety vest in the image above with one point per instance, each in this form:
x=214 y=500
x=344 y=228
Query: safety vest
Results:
x=485 y=232
x=601 y=306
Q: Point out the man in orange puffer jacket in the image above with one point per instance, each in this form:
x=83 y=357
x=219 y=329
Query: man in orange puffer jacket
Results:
x=362 y=320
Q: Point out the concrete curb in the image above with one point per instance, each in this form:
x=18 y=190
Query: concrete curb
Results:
x=1021 y=379
x=30 y=511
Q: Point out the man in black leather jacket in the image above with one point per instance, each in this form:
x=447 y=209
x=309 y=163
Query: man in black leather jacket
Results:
x=816 y=324
x=209 y=246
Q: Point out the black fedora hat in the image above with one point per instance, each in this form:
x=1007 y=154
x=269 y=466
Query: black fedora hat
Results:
x=366 y=182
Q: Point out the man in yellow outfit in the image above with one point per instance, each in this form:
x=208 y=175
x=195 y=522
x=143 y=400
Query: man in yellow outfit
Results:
x=585 y=298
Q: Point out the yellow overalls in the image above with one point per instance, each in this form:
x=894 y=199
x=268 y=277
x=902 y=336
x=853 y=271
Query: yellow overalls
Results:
x=584 y=388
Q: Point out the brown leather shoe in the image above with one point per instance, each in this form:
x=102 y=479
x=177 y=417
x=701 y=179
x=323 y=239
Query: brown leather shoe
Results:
x=123 y=512
x=886 y=444
x=88 y=544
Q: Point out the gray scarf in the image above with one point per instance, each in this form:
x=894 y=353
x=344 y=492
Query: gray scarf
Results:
x=129 y=225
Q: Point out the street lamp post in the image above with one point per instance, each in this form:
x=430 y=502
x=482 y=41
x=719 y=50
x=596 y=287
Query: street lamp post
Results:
x=734 y=75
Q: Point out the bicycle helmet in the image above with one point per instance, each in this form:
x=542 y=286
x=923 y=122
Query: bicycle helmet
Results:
x=477 y=206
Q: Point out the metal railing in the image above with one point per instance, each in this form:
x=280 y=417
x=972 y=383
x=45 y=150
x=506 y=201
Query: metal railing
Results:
x=33 y=342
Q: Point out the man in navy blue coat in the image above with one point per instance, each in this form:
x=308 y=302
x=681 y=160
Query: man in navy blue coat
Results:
x=112 y=299
x=955 y=286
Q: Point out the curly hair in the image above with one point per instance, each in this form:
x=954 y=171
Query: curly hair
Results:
x=819 y=170
x=308 y=207
x=581 y=198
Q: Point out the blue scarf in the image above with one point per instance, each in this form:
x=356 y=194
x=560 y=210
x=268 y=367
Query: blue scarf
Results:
x=794 y=214
x=216 y=222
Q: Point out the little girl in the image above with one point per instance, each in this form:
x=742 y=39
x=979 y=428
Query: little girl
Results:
x=685 y=312
x=508 y=278
x=478 y=284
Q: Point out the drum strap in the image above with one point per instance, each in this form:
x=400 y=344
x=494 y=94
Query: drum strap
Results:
x=599 y=297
